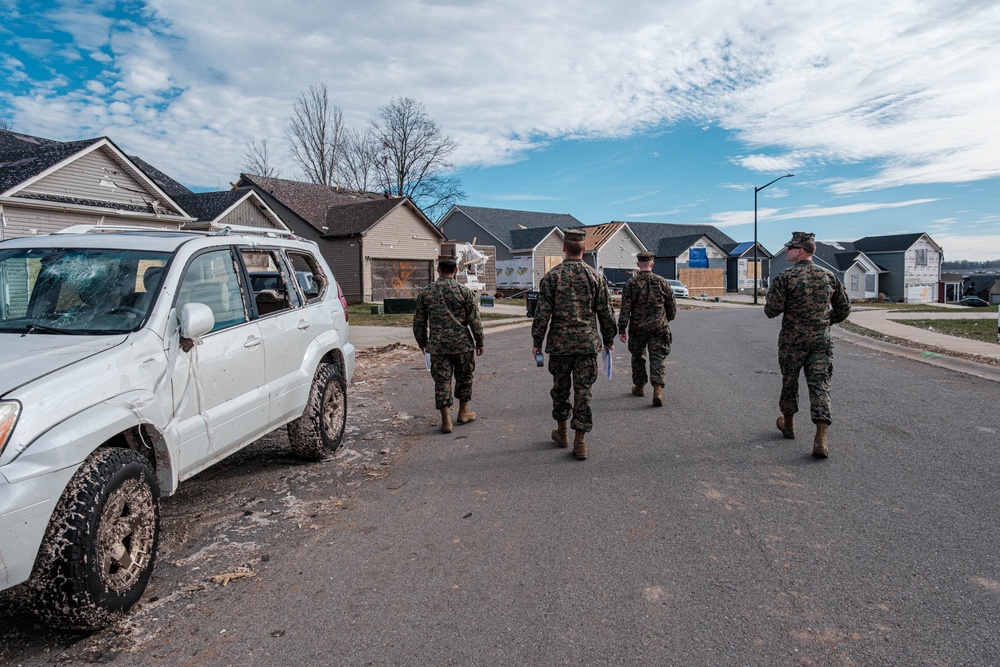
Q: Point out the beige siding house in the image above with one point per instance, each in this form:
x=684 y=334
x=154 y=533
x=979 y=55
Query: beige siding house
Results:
x=47 y=186
x=378 y=247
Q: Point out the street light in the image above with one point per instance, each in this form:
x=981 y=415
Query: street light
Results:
x=755 y=191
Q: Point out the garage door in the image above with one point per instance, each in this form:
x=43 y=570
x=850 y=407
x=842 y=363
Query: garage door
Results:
x=400 y=278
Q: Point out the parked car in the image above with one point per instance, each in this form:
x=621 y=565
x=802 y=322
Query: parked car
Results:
x=129 y=362
x=973 y=301
x=679 y=288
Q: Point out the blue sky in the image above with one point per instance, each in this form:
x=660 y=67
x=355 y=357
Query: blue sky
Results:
x=667 y=110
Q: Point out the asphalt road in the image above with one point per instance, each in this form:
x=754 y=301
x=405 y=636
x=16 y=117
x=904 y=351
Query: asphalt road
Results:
x=694 y=535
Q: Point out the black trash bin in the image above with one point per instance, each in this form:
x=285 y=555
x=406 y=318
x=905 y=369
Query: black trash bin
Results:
x=531 y=300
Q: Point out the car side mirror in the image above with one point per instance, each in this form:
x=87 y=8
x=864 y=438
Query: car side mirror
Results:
x=197 y=319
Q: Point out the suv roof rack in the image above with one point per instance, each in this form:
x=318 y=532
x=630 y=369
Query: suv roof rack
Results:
x=229 y=229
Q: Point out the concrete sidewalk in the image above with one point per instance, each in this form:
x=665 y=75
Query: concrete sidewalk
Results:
x=890 y=323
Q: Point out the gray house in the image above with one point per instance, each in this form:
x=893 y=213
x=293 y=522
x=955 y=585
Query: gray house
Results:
x=527 y=243
x=859 y=274
x=912 y=264
x=700 y=256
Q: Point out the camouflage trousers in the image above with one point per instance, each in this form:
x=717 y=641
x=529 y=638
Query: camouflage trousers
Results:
x=818 y=367
x=443 y=367
x=576 y=372
x=659 y=348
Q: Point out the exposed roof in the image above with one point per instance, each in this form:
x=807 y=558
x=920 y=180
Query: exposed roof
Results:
x=331 y=211
x=524 y=239
x=21 y=161
x=15 y=140
x=654 y=234
x=893 y=243
x=501 y=222
x=598 y=235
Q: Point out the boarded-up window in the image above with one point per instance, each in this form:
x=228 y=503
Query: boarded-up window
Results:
x=399 y=278
x=552 y=261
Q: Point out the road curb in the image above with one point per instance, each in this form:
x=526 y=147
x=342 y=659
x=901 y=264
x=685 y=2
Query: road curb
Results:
x=983 y=371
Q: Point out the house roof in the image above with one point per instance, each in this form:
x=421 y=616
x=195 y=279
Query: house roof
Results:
x=331 y=211
x=164 y=182
x=21 y=161
x=655 y=235
x=207 y=206
x=501 y=222
x=893 y=243
x=524 y=239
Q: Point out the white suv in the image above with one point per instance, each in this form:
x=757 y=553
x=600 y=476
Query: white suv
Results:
x=132 y=360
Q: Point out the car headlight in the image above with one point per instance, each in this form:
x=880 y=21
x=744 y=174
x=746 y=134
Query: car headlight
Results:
x=9 y=410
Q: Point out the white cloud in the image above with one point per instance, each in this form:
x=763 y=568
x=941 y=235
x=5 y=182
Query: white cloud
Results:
x=973 y=248
x=900 y=85
x=734 y=218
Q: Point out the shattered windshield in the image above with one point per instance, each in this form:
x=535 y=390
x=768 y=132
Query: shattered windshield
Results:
x=77 y=291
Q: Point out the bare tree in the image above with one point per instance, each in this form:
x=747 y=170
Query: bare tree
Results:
x=316 y=135
x=413 y=156
x=358 y=164
x=256 y=157
x=5 y=124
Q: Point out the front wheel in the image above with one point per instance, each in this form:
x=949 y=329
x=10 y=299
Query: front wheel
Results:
x=100 y=546
x=319 y=431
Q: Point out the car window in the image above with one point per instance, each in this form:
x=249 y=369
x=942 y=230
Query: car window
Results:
x=272 y=290
x=75 y=290
x=212 y=279
x=312 y=281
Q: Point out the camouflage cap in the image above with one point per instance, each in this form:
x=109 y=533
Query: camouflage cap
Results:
x=576 y=235
x=447 y=259
x=800 y=237
x=644 y=256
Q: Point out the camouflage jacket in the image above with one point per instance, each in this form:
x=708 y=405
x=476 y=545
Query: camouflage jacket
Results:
x=451 y=311
x=572 y=301
x=648 y=305
x=805 y=293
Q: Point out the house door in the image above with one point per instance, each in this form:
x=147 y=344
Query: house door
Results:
x=400 y=278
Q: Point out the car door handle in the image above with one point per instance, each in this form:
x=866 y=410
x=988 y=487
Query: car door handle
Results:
x=252 y=341
x=304 y=324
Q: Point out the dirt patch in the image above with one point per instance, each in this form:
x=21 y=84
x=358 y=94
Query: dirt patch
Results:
x=225 y=524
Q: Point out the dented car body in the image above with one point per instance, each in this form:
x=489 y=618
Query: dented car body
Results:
x=132 y=360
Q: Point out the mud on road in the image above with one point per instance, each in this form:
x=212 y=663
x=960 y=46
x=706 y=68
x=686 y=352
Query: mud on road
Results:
x=227 y=523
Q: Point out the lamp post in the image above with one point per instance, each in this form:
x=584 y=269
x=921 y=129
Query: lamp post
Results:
x=755 y=191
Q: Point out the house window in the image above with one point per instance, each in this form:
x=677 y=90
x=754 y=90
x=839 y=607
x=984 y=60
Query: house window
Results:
x=922 y=257
x=870 y=282
x=854 y=282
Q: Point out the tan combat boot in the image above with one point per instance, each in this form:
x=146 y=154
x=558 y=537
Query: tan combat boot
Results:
x=786 y=424
x=446 y=426
x=658 y=397
x=820 y=449
x=465 y=415
x=560 y=435
x=638 y=391
x=580 y=446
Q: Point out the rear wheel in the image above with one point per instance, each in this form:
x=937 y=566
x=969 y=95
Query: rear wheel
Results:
x=100 y=546
x=320 y=430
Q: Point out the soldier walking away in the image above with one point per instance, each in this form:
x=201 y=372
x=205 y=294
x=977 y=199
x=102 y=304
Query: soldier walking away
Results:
x=572 y=302
x=451 y=311
x=811 y=299
x=648 y=305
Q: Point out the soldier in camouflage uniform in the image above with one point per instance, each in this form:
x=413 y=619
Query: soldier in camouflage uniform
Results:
x=811 y=299
x=456 y=332
x=648 y=305
x=572 y=300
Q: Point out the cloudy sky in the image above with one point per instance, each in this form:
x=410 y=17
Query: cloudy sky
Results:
x=887 y=113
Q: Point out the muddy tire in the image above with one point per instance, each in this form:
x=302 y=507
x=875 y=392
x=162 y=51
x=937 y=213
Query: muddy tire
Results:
x=319 y=431
x=100 y=545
